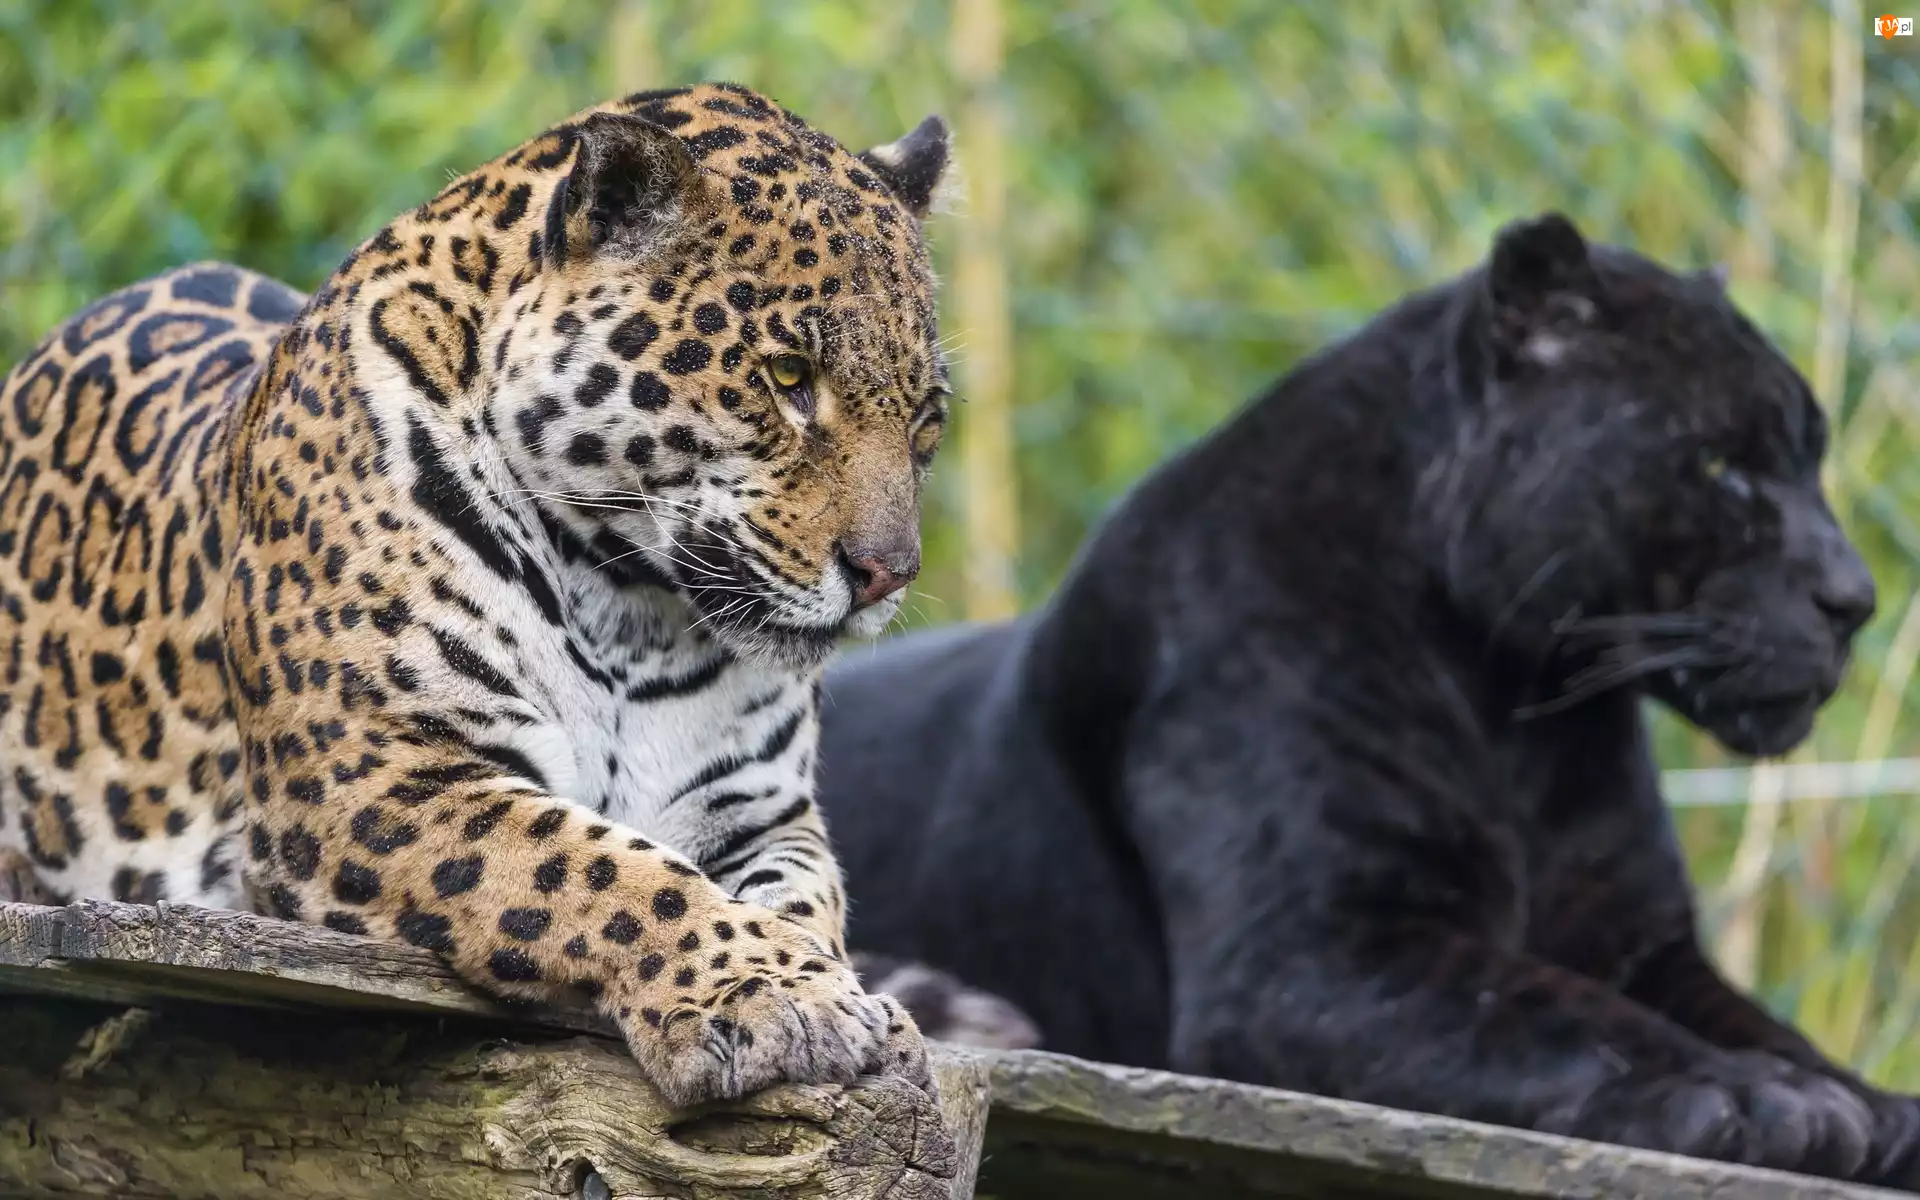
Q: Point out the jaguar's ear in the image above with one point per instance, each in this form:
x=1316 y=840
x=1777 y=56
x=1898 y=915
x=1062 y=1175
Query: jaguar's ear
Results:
x=1543 y=288
x=912 y=166
x=630 y=180
x=1718 y=274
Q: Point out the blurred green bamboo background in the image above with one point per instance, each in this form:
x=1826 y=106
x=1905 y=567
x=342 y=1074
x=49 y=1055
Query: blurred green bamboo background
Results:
x=1163 y=205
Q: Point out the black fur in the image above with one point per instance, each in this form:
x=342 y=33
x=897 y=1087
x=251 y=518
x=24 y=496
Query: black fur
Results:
x=1326 y=767
x=628 y=173
x=912 y=166
x=944 y=1008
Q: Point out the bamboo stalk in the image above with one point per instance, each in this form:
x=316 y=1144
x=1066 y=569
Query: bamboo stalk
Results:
x=1883 y=714
x=1743 y=893
x=1838 y=246
x=633 y=47
x=1762 y=170
x=991 y=522
x=1840 y=239
x=1766 y=144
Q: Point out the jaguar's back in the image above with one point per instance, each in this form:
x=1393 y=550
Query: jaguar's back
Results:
x=119 y=758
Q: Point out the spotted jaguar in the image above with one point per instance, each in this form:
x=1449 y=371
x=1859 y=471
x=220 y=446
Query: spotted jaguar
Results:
x=479 y=599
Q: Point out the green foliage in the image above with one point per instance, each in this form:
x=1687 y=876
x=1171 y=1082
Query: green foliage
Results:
x=1201 y=191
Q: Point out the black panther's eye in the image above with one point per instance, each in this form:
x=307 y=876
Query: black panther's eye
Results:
x=792 y=376
x=1716 y=467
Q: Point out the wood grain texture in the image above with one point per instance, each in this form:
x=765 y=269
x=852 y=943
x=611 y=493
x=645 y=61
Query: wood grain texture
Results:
x=198 y=1101
x=329 y=1090
x=366 y=1092
x=135 y=953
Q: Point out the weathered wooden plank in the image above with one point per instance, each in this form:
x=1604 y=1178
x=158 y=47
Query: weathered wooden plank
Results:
x=135 y=953
x=1065 y=1129
x=1060 y=1129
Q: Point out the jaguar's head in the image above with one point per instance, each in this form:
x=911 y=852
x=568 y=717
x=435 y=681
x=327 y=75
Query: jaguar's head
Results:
x=1634 y=496
x=726 y=374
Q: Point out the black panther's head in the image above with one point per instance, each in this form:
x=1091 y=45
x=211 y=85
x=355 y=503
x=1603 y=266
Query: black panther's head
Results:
x=1634 y=494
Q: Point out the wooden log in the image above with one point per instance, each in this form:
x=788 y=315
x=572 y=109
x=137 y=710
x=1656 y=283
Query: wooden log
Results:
x=199 y=1101
x=327 y=1089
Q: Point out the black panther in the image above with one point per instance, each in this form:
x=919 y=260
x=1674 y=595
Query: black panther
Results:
x=1326 y=766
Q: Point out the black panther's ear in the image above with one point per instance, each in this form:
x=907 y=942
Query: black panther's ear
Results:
x=911 y=167
x=630 y=178
x=1718 y=274
x=1543 y=287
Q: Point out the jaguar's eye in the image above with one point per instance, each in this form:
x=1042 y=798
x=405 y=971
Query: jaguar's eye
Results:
x=924 y=436
x=790 y=371
x=1714 y=466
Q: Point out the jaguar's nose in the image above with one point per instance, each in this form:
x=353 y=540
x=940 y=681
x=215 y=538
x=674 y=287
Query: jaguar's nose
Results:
x=877 y=572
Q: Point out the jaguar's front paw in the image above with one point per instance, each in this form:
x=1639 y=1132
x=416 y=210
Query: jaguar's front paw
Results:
x=762 y=1002
x=1746 y=1107
x=903 y=1050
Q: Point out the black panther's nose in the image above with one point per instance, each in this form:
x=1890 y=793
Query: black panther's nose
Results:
x=1845 y=593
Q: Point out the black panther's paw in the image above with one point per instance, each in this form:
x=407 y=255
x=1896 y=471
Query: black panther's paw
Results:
x=1745 y=1107
x=1895 y=1159
x=946 y=1009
